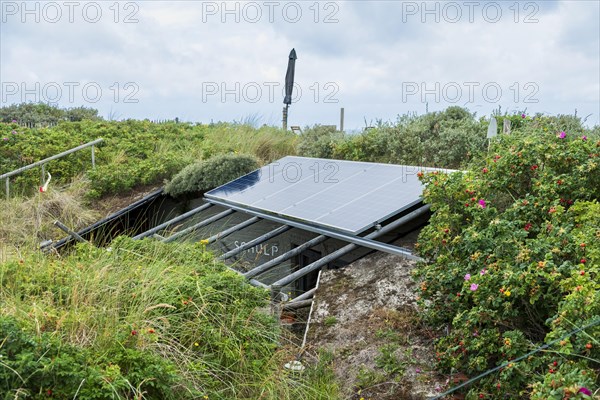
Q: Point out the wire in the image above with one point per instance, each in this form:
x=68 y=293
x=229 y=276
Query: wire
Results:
x=486 y=373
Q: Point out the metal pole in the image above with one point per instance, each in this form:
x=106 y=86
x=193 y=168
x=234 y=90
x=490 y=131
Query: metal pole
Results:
x=43 y=173
x=93 y=158
x=285 y=117
x=199 y=225
x=348 y=248
x=7 y=188
x=342 y=119
x=294 y=305
x=255 y=242
x=365 y=241
x=172 y=221
x=284 y=257
x=54 y=157
x=304 y=296
x=229 y=231
x=62 y=226
x=310 y=314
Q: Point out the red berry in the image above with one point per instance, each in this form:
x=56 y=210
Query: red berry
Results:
x=588 y=346
x=133 y=333
x=555 y=363
x=485 y=170
x=583 y=261
x=582 y=273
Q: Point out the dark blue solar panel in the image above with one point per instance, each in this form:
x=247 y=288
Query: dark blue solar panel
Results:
x=347 y=196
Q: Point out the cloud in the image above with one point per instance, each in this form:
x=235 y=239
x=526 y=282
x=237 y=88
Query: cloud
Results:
x=364 y=56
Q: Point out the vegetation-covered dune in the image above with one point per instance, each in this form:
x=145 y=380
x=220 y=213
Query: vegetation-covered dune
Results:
x=512 y=260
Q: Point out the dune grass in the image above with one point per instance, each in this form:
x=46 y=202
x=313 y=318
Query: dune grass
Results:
x=142 y=319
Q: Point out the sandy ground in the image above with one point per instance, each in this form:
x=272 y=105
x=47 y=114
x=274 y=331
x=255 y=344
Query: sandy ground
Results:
x=365 y=315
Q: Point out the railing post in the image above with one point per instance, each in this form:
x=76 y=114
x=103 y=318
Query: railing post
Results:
x=43 y=173
x=7 y=188
x=93 y=158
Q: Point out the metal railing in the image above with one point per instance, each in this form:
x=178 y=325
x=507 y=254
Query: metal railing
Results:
x=45 y=160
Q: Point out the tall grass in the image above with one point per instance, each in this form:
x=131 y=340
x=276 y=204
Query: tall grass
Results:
x=267 y=143
x=25 y=222
x=143 y=304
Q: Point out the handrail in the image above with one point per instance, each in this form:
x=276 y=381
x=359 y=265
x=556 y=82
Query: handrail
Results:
x=45 y=160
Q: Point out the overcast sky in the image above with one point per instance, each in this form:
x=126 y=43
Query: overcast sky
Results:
x=225 y=61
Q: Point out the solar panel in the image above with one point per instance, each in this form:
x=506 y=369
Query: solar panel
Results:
x=347 y=196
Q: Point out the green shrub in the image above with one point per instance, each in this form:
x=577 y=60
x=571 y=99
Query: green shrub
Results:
x=41 y=366
x=318 y=141
x=513 y=256
x=215 y=171
x=133 y=152
x=444 y=139
x=45 y=114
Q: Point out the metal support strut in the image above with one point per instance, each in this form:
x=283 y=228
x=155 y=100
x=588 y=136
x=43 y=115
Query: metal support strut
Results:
x=344 y=250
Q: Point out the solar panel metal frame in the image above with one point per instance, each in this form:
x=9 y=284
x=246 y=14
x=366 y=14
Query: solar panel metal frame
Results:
x=251 y=180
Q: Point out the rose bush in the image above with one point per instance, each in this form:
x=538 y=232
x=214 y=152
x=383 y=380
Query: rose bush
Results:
x=513 y=256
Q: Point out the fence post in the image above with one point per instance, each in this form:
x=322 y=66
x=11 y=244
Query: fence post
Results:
x=93 y=158
x=43 y=173
x=7 y=188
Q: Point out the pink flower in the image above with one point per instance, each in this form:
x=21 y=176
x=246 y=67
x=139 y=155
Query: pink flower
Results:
x=483 y=271
x=562 y=135
x=14 y=121
x=584 y=138
x=5 y=139
x=474 y=287
x=14 y=132
x=482 y=203
x=467 y=277
x=523 y=115
x=585 y=391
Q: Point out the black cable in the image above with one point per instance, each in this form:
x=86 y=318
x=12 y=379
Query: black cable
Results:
x=486 y=373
